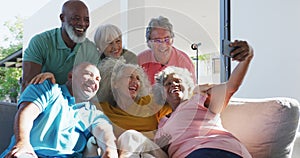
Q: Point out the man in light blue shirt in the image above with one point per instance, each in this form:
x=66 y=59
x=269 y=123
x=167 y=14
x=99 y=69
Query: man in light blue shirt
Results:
x=57 y=120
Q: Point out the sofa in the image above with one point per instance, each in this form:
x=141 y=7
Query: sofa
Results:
x=268 y=127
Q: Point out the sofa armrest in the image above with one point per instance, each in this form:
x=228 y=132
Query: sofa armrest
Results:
x=267 y=127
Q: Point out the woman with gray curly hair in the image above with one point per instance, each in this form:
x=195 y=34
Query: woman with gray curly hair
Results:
x=128 y=103
x=112 y=71
x=127 y=97
x=194 y=127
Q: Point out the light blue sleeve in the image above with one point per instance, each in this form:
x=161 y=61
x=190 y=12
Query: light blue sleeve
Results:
x=40 y=94
x=89 y=117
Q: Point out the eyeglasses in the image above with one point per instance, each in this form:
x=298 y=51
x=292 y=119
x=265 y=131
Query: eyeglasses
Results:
x=166 y=40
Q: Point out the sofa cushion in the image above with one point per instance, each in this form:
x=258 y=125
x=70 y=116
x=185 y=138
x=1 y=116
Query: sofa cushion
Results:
x=267 y=127
x=7 y=115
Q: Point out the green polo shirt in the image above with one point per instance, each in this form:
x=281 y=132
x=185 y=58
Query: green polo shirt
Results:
x=49 y=50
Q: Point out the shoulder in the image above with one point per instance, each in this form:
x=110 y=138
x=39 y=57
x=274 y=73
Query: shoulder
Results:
x=89 y=42
x=181 y=57
x=129 y=56
x=128 y=52
x=42 y=40
x=179 y=52
x=87 y=51
x=144 y=57
x=89 y=46
x=47 y=85
x=40 y=93
x=47 y=34
x=144 y=53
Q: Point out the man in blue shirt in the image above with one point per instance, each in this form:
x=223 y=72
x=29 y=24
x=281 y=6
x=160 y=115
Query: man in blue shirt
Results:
x=57 y=50
x=57 y=120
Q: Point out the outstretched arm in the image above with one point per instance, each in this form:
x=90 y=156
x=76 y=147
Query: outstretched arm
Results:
x=24 y=118
x=221 y=94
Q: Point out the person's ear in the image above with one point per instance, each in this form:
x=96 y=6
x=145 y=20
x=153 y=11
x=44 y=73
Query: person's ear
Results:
x=172 y=41
x=114 y=85
x=70 y=76
x=149 y=44
x=62 y=17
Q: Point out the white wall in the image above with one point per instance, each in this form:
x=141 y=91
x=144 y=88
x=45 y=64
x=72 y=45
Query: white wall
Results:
x=272 y=27
x=194 y=21
x=48 y=18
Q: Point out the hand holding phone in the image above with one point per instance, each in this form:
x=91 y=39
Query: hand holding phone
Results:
x=227 y=49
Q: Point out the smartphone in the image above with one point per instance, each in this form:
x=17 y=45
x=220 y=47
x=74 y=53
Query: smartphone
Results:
x=227 y=49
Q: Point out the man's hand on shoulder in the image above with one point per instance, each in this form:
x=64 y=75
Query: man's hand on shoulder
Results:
x=40 y=78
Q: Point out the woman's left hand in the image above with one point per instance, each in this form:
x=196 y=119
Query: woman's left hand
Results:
x=242 y=52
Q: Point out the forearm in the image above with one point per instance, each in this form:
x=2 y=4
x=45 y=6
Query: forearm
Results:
x=24 y=119
x=104 y=136
x=237 y=76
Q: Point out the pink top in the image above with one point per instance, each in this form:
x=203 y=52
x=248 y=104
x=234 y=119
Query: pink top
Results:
x=178 y=58
x=192 y=126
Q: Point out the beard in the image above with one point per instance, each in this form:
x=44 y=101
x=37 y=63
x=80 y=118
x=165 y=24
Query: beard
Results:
x=73 y=36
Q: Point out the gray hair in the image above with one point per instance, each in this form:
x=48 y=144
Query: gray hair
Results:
x=160 y=22
x=158 y=87
x=104 y=34
x=111 y=70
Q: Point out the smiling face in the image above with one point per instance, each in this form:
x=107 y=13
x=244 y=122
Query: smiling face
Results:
x=160 y=43
x=75 y=20
x=85 y=81
x=129 y=82
x=175 y=90
x=114 y=48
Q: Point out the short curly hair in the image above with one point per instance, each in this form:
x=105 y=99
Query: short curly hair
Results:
x=158 y=87
x=111 y=70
